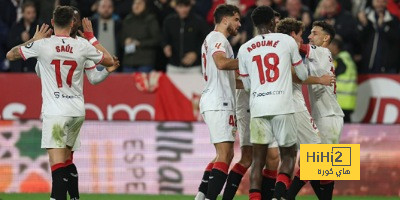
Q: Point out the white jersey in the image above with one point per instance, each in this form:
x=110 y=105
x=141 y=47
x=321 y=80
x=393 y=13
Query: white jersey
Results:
x=219 y=92
x=61 y=63
x=299 y=102
x=267 y=61
x=322 y=98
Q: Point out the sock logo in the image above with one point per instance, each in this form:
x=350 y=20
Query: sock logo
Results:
x=211 y=177
x=74 y=175
x=65 y=179
x=204 y=181
x=234 y=185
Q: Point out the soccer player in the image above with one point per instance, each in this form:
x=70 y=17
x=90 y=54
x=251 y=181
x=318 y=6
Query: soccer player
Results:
x=307 y=131
x=61 y=63
x=267 y=60
x=94 y=76
x=217 y=103
x=325 y=109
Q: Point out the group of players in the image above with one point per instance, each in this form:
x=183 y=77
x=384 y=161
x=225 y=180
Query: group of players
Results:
x=261 y=91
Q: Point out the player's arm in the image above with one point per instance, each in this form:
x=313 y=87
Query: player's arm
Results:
x=43 y=32
x=88 y=34
x=224 y=63
x=95 y=76
x=326 y=79
x=239 y=83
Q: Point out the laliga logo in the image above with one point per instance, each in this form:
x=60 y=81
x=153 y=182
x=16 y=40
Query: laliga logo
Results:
x=378 y=101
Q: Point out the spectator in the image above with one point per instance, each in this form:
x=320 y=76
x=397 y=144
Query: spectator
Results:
x=295 y=9
x=44 y=7
x=22 y=32
x=8 y=12
x=106 y=26
x=380 y=35
x=248 y=28
x=183 y=35
x=140 y=37
x=342 y=21
x=162 y=8
x=346 y=78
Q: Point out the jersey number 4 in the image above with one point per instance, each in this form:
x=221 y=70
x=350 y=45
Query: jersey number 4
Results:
x=57 y=64
x=270 y=67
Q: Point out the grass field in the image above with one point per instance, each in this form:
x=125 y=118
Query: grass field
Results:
x=160 y=197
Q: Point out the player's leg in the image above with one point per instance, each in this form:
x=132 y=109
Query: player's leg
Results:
x=261 y=136
x=54 y=141
x=307 y=133
x=222 y=133
x=284 y=127
x=203 y=188
x=219 y=172
x=270 y=171
x=237 y=172
x=331 y=130
x=239 y=169
x=73 y=143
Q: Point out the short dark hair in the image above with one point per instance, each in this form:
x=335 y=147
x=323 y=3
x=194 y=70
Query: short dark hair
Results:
x=27 y=4
x=224 y=10
x=262 y=16
x=63 y=16
x=327 y=28
x=183 y=2
x=287 y=25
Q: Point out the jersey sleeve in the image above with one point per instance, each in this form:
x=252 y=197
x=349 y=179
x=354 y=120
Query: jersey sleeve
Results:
x=91 y=53
x=243 y=73
x=89 y=65
x=218 y=44
x=31 y=50
x=312 y=51
x=295 y=55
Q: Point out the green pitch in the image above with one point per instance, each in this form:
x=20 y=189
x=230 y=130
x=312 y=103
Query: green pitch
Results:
x=160 y=197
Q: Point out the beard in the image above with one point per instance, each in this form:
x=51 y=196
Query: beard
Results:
x=231 y=30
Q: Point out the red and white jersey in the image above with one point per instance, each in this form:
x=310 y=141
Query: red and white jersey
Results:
x=61 y=63
x=299 y=102
x=267 y=60
x=219 y=92
x=322 y=98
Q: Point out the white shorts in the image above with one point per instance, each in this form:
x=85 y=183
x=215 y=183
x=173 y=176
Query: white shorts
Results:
x=330 y=129
x=221 y=124
x=264 y=130
x=61 y=131
x=307 y=131
x=243 y=126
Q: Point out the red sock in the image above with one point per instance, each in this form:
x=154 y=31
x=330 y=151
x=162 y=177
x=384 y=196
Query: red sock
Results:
x=57 y=166
x=238 y=168
x=254 y=195
x=221 y=166
x=284 y=178
x=270 y=173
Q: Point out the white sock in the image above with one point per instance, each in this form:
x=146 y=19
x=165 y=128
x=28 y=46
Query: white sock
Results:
x=200 y=196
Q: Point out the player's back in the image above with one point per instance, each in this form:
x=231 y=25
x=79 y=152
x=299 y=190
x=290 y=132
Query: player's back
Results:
x=322 y=98
x=219 y=92
x=61 y=62
x=268 y=59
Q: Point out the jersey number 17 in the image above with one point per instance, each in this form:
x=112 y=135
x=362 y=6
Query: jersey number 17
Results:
x=57 y=64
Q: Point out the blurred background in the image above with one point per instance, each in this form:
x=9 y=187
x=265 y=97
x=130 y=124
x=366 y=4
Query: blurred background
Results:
x=143 y=132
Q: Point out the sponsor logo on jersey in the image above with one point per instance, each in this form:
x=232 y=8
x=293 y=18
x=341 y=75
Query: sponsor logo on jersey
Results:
x=262 y=94
x=29 y=45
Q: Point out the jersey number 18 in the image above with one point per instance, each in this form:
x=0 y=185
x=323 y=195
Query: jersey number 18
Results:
x=270 y=66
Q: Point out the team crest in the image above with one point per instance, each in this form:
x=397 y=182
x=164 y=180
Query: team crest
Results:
x=313 y=47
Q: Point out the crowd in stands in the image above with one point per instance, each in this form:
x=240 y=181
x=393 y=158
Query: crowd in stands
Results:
x=166 y=35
